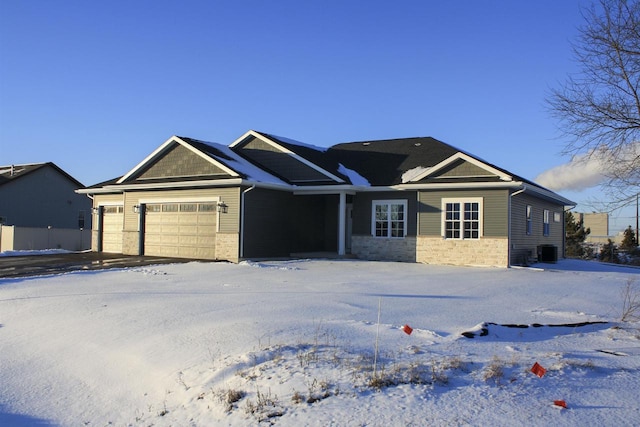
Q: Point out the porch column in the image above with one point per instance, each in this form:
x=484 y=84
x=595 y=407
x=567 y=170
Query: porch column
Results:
x=142 y=213
x=342 y=221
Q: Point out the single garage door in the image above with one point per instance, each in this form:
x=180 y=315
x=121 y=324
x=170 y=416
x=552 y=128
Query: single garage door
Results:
x=183 y=230
x=112 y=223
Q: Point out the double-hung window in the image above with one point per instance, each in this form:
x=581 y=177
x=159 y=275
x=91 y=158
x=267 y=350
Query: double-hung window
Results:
x=462 y=218
x=389 y=218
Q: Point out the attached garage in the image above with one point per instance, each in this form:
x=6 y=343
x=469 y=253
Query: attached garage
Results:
x=112 y=226
x=185 y=230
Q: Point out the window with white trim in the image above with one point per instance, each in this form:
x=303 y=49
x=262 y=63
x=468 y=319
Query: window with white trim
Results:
x=545 y=223
x=462 y=218
x=389 y=218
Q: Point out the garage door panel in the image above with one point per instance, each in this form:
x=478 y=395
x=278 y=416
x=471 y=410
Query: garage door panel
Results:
x=153 y=239
x=188 y=240
x=188 y=218
x=207 y=220
x=187 y=233
x=205 y=241
x=170 y=218
x=188 y=229
x=153 y=228
x=112 y=225
x=207 y=230
x=204 y=253
x=169 y=239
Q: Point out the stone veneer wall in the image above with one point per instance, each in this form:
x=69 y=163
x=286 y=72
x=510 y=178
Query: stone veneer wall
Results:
x=381 y=248
x=490 y=252
x=227 y=246
x=95 y=235
x=130 y=242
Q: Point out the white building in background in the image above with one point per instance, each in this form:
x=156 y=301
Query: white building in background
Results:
x=598 y=222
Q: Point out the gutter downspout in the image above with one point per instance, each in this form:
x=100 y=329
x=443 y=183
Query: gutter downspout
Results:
x=242 y=207
x=515 y=193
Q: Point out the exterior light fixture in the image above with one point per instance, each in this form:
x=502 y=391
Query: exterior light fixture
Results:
x=95 y=210
x=222 y=207
x=136 y=208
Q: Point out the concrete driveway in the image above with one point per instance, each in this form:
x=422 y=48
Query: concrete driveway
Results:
x=37 y=265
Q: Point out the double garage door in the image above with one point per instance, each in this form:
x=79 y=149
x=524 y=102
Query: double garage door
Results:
x=184 y=230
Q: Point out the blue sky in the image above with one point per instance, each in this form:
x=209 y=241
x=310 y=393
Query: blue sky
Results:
x=97 y=86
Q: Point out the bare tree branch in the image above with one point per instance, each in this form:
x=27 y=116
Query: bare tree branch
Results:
x=599 y=107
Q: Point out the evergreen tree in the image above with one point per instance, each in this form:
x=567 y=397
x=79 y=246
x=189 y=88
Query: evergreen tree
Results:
x=575 y=236
x=609 y=253
x=629 y=242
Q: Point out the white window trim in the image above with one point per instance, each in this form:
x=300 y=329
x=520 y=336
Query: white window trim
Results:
x=462 y=201
x=403 y=202
x=546 y=223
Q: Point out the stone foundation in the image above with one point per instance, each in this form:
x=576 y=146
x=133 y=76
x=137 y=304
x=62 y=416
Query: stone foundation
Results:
x=487 y=252
x=130 y=243
x=384 y=249
x=95 y=235
x=227 y=246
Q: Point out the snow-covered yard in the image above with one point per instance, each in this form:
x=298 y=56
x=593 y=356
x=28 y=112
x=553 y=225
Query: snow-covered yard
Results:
x=293 y=343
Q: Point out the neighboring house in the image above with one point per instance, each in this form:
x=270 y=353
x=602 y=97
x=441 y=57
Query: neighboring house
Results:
x=412 y=199
x=42 y=195
x=39 y=209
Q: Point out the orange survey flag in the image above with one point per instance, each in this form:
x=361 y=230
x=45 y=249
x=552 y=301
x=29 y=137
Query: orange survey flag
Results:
x=538 y=370
x=560 y=403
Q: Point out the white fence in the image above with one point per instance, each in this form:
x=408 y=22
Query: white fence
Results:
x=14 y=238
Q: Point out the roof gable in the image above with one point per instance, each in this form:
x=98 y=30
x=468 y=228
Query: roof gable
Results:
x=293 y=161
x=180 y=158
x=459 y=166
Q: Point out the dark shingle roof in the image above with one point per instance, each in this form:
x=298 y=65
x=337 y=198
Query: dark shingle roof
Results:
x=206 y=147
x=383 y=162
x=13 y=172
x=316 y=155
x=111 y=181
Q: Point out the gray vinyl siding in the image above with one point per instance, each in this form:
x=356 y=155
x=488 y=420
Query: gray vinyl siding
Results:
x=362 y=203
x=462 y=169
x=525 y=246
x=495 y=211
x=43 y=198
x=179 y=161
x=281 y=164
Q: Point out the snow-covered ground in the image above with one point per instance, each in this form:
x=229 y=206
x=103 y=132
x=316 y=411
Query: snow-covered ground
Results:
x=294 y=343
